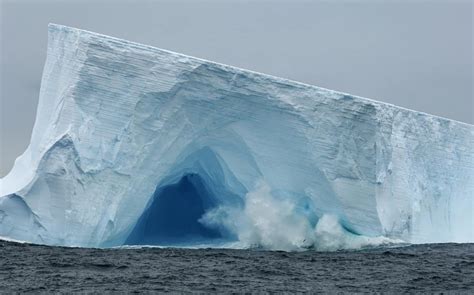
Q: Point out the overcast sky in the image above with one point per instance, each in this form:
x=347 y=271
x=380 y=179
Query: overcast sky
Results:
x=416 y=54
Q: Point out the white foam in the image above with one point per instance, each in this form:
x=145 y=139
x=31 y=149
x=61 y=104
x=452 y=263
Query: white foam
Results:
x=268 y=222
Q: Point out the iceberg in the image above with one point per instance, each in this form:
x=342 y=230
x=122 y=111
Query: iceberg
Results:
x=135 y=145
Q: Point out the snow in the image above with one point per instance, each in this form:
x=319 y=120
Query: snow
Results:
x=281 y=164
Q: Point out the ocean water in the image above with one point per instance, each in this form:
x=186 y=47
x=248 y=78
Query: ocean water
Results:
x=27 y=268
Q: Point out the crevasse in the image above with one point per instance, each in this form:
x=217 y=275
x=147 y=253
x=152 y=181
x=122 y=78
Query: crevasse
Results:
x=137 y=145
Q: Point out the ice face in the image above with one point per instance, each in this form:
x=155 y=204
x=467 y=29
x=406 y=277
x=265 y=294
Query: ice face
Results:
x=137 y=145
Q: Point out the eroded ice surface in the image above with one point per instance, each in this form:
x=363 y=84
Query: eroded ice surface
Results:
x=137 y=145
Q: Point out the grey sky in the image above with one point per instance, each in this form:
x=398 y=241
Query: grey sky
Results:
x=414 y=54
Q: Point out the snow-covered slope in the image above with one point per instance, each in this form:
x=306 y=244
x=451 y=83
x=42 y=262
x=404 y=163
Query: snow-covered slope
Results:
x=137 y=145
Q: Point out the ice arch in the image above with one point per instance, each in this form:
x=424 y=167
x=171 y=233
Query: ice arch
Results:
x=173 y=215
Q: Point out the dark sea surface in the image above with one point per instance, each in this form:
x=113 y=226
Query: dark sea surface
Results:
x=418 y=268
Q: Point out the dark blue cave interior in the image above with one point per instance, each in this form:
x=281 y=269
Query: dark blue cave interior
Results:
x=173 y=214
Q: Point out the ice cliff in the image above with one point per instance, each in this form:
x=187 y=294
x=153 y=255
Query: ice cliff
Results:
x=137 y=145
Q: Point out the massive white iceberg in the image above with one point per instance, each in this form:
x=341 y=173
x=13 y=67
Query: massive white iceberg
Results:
x=137 y=145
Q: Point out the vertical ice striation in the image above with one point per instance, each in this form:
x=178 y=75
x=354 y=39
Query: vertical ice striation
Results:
x=131 y=141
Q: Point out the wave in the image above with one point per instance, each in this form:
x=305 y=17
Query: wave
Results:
x=268 y=222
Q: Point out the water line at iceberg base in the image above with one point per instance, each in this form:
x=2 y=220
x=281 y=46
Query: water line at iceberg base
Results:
x=262 y=222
